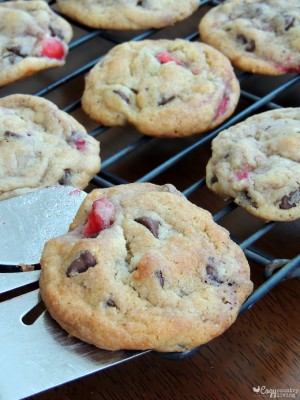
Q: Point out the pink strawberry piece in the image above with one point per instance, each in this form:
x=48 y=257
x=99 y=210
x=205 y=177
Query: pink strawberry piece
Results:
x=80 y=144
x=291 y=70
x=222 y=107
x=242 y=174
x=101 y=217
x=52 y=48
x=166 y=57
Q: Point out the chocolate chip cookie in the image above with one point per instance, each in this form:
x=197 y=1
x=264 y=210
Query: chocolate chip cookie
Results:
x=32 y=38
x=42 y=146
x=257 y=163
x=130 y=14
x=143 y=268
x=165 y=88
x=257 y=36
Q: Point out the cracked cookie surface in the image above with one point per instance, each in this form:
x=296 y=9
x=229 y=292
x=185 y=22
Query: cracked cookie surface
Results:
x=257 y=36
x=143 y=268
x=129 y=14
x=41 y=146
x=257 y=163
x=32 y=38
x=165 y=88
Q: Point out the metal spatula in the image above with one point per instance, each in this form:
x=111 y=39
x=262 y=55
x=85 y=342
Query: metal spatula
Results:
x=33 y=347
x=40 y=355
x=27 y=222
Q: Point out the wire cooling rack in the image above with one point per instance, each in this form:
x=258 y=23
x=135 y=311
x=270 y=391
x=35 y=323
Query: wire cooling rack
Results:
x=128 y=156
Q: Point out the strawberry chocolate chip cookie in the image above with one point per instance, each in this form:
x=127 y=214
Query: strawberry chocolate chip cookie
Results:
x=257 y=163
x=143 y=268
x=129 y=14
x=258 y=36
x=41 y=146
x=165 y=88
x=32 y=38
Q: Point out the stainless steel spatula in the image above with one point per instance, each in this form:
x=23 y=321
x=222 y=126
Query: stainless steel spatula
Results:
x=27 y=222
x=36 y=350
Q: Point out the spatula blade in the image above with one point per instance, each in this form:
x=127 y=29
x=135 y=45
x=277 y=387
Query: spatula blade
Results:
x=28 y=221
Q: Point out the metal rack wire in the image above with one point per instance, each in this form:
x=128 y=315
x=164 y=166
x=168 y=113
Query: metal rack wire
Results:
x=252 y=101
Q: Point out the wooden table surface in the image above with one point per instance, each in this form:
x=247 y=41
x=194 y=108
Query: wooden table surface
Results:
x=261 y=349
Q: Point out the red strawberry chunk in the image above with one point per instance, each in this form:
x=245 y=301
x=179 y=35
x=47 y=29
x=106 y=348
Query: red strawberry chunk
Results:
x=80 y=144
x=289 y=70
x=52 y=48
x=222 y=107
x=101 y=217
x=166 y=57
x=242 y=174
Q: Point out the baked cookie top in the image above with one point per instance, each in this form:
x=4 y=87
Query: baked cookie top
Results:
x=128 y=14
x=143 y=268
x=257 y=163
x=32 y=38
x=165 y=88
x=42 y=146
x=259 y=36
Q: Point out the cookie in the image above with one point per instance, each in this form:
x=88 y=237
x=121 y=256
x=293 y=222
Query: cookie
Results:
x=32 y=38
x=42 y=146
x=143 y=268
x=132 y=14
x=258 y=36
x=165 y=88
x=257 y=163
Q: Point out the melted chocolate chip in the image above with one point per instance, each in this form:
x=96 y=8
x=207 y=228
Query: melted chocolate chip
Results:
x=289 y=21
x=290 y=200
x=166 y=101
x=150 y=224
x=224 y=301
x=134 y=91
x=11 y=134
x=249 y=198
x=212 y=274
x=122 y=95
x=16 y=50
x=81 y=264
x=65 y=179
x=111 y=303
x=160 y=277
x=55 y=32
x=214 y=179
x=249 y=44
x=139 y=3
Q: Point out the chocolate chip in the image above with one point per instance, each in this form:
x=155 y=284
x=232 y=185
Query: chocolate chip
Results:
x=249 y=199
x=290 y=200
x=212 y=273
x=248 y=43
x=164 y=101
x=122 y=95
x=111 y=303
x=55 y=32
x=160 y=277
x=81 y=264
x=65 y=179
x=11 y=134
x=289 y=21
x=134 y=91
x=224 y=301
x=214 y=179
x=150 y=224
x=16 y=50
x=139 y=3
